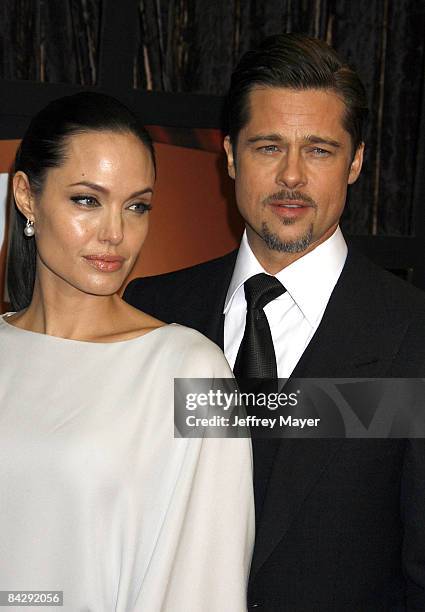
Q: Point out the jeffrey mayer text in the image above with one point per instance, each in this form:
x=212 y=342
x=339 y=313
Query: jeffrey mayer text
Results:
x=250 y=421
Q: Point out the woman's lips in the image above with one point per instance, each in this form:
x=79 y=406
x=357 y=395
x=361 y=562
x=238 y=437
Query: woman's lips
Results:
x=105 y=263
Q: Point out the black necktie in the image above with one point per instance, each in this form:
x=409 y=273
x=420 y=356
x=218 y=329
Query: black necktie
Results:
x=256 y=357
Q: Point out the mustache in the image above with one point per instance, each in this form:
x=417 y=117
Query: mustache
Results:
x=290 y=195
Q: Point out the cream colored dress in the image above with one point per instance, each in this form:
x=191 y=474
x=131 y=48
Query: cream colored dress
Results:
x=97 y=498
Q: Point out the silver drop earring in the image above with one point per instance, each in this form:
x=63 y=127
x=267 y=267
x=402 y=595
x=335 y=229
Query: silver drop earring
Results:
x=29 y=230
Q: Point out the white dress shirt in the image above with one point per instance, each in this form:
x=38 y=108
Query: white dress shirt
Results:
x=294 y=316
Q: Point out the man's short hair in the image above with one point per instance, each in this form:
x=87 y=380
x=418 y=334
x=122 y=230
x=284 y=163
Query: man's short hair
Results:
x=298 y=62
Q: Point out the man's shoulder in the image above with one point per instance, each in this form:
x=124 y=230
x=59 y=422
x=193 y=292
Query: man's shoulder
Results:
x=165 y=295
x=379 y=284
x=202 y=272
x=386 y=311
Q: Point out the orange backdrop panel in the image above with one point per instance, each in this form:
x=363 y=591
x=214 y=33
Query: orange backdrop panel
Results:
x=194 y=217
x=7 y=155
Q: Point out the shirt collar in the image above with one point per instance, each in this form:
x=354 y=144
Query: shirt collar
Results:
x=309 y=280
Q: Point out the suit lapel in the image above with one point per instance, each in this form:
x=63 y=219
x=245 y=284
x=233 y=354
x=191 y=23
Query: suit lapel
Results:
x=358 y=334
x=217 y=291
x=352 y=340
x=297 y=467
x=214 y=329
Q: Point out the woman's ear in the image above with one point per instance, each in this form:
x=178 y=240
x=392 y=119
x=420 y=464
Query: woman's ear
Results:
x=23 y=195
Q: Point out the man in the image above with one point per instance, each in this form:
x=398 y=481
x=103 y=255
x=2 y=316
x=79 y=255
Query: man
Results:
x=340 y=523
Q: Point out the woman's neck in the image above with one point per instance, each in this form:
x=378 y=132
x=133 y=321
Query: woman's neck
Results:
x=69 y=313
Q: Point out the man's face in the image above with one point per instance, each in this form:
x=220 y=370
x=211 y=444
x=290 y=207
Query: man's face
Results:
x=292 y=164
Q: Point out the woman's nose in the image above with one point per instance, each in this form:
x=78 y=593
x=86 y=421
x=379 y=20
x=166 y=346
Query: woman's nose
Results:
x=112 y=228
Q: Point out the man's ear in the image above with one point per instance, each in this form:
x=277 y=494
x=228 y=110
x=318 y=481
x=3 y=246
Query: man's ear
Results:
x=230 y=159
x=23 y=195
x=356 y=164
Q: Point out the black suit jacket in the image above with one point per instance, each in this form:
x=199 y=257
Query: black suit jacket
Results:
x=340 y=523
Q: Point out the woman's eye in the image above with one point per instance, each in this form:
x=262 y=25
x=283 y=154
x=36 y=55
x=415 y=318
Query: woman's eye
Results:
x=140 y=207
x=85 y=201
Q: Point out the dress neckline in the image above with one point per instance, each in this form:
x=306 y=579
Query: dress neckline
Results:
x=13 y=328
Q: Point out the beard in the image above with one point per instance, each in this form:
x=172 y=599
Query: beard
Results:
x=274 y=243
x=272 y=240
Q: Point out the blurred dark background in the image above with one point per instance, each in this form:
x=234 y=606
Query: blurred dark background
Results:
x=170 y=60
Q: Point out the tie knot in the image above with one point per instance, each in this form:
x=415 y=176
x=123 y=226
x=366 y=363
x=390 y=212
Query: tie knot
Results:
x=262 y=289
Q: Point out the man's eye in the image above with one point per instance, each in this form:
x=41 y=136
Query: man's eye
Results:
x=140 y=207
x=320 y=152
x=269 y=149
x=85 y=201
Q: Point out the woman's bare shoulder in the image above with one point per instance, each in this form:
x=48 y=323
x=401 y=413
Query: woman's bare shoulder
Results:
x=131 y=323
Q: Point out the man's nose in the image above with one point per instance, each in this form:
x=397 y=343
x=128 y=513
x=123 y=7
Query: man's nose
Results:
x=291 y=171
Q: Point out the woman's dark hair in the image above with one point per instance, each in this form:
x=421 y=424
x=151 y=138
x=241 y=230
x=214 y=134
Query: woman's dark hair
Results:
x=298 y=62
x=44 y=147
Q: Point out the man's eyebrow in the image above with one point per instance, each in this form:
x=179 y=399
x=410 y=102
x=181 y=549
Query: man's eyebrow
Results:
x=260 y=137
x=101 y=189
x=311 y=138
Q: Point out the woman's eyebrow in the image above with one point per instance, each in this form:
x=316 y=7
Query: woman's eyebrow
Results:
x=94 y=186
x=102 y=189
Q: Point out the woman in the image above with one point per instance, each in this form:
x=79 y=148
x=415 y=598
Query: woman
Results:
x=98 y=500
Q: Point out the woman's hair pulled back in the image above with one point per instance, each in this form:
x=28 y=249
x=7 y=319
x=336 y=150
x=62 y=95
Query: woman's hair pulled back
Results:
x=43 y=147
